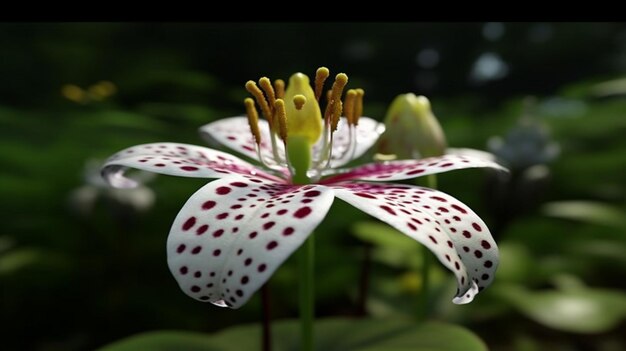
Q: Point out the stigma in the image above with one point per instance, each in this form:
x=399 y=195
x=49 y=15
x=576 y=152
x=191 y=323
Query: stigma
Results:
x=300 y=135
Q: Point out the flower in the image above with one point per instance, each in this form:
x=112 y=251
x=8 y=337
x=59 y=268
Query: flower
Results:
x=82 y=200
x=234 y=232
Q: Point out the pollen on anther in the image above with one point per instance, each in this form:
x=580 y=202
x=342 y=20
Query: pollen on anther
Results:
x=337 y=110
x=348 y=105
x=358 y=106
x=253 y=89
x=281 y=116
x=334 y=100
x=320 y=77
x=279 y=88
x=266 y=85
x=253 y=119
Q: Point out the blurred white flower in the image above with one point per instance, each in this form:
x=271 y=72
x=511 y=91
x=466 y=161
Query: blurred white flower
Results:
x=83 y=199
x=525 y=145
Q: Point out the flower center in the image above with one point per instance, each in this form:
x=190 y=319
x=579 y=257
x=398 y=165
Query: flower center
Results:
x=295 y=119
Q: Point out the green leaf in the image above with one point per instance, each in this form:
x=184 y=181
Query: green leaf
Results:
x=115 y=119
x=611 y=252
x=516 y=263
x=33 y=263
x=340 y=334
x=15 y=260
x=392 y=248
x=190 y=113
x=587 y=211
x=580 y=310
x=165 y=341
x=383 y=235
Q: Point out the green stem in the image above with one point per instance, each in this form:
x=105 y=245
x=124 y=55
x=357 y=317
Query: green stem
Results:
x=299 y=156
x=266 y=339
x=424 y=296
x=306 y=290
x=431 y=181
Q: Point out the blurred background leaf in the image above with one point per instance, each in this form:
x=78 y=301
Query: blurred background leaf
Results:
x=332 y=335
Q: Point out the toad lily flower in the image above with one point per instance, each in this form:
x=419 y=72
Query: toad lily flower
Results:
x=234 y=232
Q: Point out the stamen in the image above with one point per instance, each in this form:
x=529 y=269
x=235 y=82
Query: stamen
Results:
x=281 y=117
x=299 y=101
x=354 y=109
x=253 y=119
x=348 y=106
x=253 y=89
x=279 y=87
x=337 y=109
x=320 y=77
x=340 y=82
x=266 y=85
x=358 y=105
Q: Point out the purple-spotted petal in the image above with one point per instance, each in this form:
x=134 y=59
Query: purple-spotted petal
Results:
x=367 y=132
x=176 y=159
x=452 y=231
x=407 y=169
x=234 y=133
x=233 y=233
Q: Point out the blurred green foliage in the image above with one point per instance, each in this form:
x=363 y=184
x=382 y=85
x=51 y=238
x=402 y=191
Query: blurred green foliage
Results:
x=337 y=334
x=74 y=281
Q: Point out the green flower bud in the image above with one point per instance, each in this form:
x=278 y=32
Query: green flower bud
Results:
x=412 y=130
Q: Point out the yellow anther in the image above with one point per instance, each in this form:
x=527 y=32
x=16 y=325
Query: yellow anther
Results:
x=358 y=105
x=299 y=101
x=340 y=82
x=348 y=105
x=281 y=118
x=253 y=89
x=279 y=87
x=320 y=77
x=337 y=109
x=329 y=100
x=266 y=85
x=335 y=95
x=253 y=119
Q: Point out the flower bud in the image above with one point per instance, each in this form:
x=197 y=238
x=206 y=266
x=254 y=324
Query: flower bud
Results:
x=412 y=130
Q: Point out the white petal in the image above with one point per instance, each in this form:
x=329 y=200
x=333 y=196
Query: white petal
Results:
x=176 y=159
x=453 y=232
x=472 y=153
x=234 y=133
x=233 y=233
x=407 y=169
